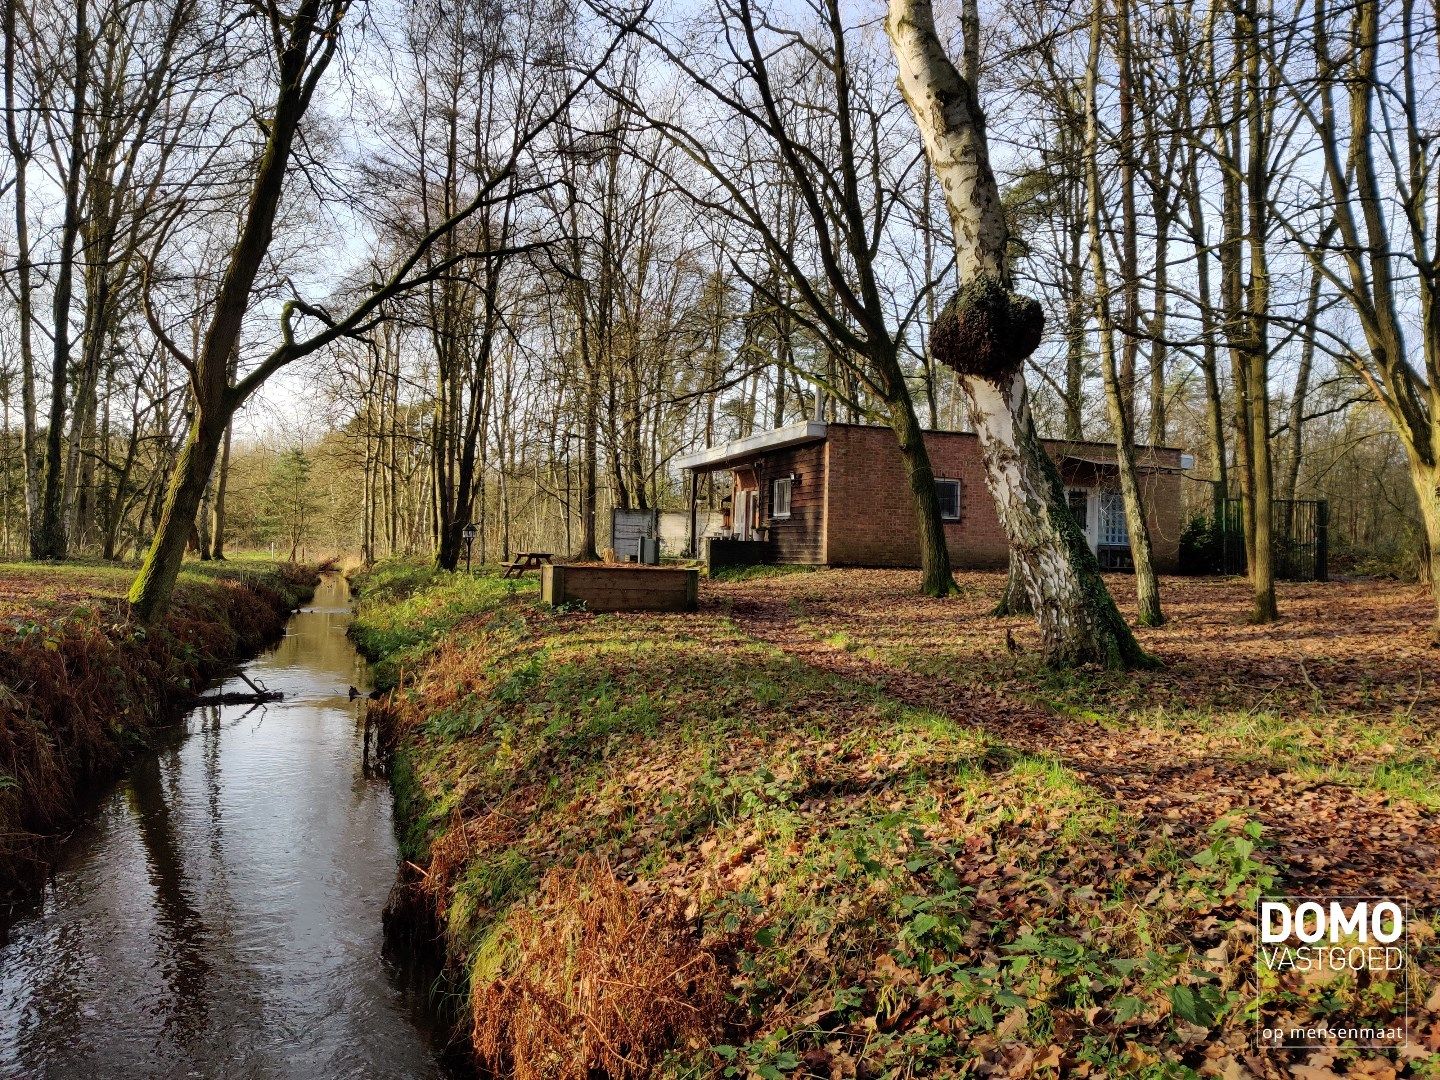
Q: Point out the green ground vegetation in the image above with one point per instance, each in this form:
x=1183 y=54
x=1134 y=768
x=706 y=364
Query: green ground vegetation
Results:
x=884 y=890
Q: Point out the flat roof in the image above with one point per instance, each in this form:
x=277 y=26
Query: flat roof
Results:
x=714 y=457
x=1044 y=438
x=1114 y=466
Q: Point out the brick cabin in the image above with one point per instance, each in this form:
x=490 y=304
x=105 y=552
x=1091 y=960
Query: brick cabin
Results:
x=836 y=494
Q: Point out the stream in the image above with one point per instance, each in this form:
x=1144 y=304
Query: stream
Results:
x=218 y=915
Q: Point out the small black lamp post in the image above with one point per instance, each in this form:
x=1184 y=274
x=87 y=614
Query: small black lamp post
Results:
x=469 y=534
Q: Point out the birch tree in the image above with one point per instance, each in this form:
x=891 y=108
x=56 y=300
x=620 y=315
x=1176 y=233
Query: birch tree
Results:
x=985 y=333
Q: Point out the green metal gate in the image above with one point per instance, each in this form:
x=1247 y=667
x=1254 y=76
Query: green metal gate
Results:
x=1300 y=535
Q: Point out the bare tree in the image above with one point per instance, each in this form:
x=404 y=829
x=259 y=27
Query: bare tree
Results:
x=1119 y=385
x=1367 y=103
x=799 y=112
x=302 y=44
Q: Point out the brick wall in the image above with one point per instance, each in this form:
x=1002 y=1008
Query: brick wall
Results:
x=870 y=518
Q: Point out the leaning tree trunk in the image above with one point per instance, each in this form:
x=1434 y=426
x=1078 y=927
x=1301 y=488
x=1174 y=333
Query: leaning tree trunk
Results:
x=1079 y=622
x=215 y=399
x=153 y=586
x=985 y=333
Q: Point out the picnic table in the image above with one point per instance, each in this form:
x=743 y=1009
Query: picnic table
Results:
x=528 y=560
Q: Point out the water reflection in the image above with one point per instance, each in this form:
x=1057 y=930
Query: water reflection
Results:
x=220 y=916
x=180 y=933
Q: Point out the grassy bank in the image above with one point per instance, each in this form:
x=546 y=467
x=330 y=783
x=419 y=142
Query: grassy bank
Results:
x=664 y=844
x=81 y=686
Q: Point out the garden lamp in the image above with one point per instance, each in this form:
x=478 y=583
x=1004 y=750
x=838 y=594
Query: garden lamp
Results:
x=469 y=534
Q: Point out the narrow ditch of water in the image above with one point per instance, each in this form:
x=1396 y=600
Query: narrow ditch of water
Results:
x=219 y=914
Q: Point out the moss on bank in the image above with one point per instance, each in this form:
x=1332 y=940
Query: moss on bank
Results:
x=81 y=685
x=878 y=890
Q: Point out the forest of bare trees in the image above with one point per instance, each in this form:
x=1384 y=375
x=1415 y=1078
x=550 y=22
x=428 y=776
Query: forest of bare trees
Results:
x=502 y=263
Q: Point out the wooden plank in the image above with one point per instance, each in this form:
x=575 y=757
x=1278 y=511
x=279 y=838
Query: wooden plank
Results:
x=627 y=527
x=645 y=579
x=629 y=601
x=796 y=539
x=613 y=589
x=590 y=592
x=552 y=584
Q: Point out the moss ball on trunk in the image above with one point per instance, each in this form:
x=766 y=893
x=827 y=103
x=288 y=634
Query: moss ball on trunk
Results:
x=986 y=330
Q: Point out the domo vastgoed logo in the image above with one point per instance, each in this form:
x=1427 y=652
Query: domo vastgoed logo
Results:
x=1332 y=970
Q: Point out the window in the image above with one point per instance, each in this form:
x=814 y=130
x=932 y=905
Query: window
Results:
x=948 y=492
x=1078 y=499
x=780 y=498
x=1113 y=532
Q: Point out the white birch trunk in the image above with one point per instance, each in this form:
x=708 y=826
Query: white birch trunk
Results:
x=990 y=332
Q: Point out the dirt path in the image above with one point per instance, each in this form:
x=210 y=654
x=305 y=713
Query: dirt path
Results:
x=1328 y=838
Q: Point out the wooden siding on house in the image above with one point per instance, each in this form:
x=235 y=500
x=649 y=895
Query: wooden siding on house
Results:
x=800 y=538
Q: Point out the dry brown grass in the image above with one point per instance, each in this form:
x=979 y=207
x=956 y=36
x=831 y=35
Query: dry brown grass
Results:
x=80 y=684
x=585 y=981
x=483 y=836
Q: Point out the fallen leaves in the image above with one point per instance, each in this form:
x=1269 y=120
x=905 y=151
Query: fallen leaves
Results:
x=916 y=858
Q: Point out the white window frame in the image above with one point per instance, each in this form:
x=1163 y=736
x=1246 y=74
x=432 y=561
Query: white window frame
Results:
x=775 y=489
x=959 y=492
x=1112 y=512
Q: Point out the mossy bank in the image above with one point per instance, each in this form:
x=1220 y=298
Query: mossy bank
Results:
x=82 y=686
x=657 y=845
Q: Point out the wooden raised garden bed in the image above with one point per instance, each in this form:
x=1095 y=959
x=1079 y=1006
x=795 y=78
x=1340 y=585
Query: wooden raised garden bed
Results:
x=608 y=587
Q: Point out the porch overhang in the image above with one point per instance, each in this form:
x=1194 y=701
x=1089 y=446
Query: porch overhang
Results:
x=733 y=453
x=1083 y=470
